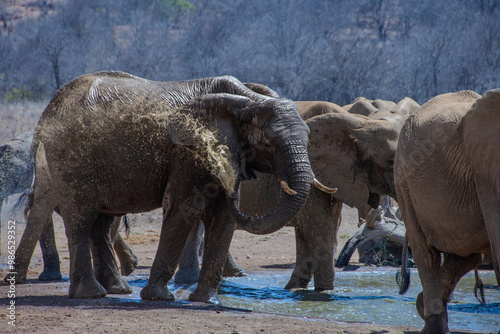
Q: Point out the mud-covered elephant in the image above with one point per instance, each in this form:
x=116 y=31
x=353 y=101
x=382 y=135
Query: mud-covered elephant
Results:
x=111 y=143
x=354 y=151
x=447 y=180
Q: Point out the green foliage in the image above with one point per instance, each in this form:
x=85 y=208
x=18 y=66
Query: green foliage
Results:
x=20 y=94
x=172 y=9
x=181 y=5
x=320 y=50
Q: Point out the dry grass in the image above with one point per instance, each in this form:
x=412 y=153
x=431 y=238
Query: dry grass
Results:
x=18 y=118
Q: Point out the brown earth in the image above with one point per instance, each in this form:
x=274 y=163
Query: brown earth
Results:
x=43 y=307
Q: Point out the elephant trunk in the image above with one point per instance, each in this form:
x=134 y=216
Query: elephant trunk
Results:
x=299 y=177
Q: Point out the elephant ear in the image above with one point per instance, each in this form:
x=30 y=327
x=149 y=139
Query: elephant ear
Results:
x=480 y=131
x=209 y=125
x=334 y=155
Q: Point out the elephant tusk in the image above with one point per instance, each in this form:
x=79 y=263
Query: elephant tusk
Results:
x=324 y=188
x=287 y=189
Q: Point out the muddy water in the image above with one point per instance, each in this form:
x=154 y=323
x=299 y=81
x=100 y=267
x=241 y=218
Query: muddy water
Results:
x=364 y=296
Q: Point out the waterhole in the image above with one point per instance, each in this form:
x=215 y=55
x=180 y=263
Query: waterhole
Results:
x=365 y=295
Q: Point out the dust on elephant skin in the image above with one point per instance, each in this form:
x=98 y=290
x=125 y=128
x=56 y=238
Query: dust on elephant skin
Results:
x=110 y=143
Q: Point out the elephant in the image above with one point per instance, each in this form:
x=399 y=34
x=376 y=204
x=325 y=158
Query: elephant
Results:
x=16 y=175
x=16 y=169
x=353 y=151
x=383 y=110
x=110 y=143
x=446 y=174
x=382 y=236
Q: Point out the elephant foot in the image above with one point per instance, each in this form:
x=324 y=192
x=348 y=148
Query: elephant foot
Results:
x=15 y=278
x=156 y=291
x=116 y=285
x=297 y=283
x=323 y=287
x=129 y=267
x=436 y=324
x=50 y=275
x=86 y=288
x=211 y=298
x=187 y=275
x=233 y=271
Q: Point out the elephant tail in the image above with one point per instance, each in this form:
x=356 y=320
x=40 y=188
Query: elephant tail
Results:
x=479 y=288
x=25 y=201
x=126 y=223
x=39 y=165
x=403 y=276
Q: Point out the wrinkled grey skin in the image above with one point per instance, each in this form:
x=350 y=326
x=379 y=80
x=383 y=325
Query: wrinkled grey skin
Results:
x=447 y=179
x=16 y=176
x=16 y=167
x=110 y=143
x=128 y=260
x=351 y=152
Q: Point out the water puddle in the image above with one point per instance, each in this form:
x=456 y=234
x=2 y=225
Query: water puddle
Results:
x=364 y=296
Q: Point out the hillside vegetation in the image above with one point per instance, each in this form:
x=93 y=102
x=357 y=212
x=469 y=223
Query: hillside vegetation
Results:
x=304 y=49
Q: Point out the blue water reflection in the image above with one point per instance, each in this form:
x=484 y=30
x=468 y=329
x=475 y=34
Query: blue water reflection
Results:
x=364 y=296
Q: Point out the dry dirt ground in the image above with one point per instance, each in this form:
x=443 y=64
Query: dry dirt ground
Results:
x=45 y=308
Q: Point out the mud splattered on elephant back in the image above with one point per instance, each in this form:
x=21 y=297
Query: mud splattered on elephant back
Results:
x=210 y=147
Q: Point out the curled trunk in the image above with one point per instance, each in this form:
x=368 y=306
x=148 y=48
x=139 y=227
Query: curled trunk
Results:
x=299 y=177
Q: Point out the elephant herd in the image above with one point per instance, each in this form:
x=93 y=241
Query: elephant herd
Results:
x=234 y=155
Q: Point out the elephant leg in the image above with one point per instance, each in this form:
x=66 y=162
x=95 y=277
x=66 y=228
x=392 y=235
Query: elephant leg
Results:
x=325 y=245
x=430 y=304
x=83 y=283
x=218 y=234
x=315 y=251
x=231 y=269
x=490 y=206
x=51 y=265
x=105 y=268
x=303 y=271
x=189 y=265
x=128 y=260
x=174 y=234
x=452 y=270
x=36 y=222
